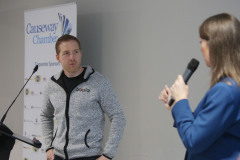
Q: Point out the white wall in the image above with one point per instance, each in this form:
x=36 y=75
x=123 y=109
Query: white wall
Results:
x=140 y=45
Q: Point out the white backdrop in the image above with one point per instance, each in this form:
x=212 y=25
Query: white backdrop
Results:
x=42 y=28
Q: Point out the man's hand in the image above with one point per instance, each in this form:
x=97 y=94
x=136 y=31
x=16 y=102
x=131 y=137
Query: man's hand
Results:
x=102 y=158
x=50 y=154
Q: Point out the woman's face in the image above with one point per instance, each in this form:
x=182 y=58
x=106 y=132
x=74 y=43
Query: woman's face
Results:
x=205 y=51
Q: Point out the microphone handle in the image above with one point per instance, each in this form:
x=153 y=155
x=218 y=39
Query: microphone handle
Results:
x=186 y=76
x=4 y=116
x=171 y=101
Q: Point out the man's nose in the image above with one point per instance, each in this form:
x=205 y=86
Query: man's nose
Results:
x=72 y=56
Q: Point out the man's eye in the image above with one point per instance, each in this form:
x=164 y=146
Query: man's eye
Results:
x=77 y=51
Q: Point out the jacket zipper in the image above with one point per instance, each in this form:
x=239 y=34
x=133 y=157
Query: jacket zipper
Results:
x=67 y=110
x=67 y=123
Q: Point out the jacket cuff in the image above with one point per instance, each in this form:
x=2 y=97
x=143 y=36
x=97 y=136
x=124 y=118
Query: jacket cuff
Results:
x=106 y=156
x=49 y=149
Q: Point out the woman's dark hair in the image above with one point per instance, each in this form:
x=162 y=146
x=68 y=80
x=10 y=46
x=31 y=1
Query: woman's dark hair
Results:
x=222 y=33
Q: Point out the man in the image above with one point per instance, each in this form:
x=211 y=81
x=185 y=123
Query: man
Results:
x=74 y=104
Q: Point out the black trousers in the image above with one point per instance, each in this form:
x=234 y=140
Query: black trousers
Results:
x=83 y=158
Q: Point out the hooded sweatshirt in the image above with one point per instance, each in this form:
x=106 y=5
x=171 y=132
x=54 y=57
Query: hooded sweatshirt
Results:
x=73 y=121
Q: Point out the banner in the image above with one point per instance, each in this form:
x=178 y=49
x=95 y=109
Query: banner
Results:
x=42 y=29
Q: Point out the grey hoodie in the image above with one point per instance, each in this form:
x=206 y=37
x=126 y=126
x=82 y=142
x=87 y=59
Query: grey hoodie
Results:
x=73 y=123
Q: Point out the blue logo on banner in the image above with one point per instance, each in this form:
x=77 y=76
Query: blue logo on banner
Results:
x=66 y=25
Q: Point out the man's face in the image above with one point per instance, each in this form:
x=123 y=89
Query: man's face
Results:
x=70 y=57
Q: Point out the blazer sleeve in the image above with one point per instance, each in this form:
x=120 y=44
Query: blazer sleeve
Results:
x=217 y=113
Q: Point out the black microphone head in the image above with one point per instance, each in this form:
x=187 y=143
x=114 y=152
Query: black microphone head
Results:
x=35 y=69
x=193 y=64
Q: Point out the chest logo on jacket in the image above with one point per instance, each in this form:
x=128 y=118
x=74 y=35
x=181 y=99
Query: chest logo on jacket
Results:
x=82 y=90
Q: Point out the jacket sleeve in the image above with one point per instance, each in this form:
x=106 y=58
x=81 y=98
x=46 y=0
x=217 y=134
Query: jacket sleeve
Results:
x=47 y=122
x=111 y=106
x=216 y=115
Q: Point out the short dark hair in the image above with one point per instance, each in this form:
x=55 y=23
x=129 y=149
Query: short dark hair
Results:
x=64 y=38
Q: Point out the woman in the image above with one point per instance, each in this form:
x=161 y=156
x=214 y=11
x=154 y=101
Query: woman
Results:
x=212 y=132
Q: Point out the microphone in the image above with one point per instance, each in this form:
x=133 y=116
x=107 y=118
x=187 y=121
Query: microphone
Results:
x=4 y=116
x=5 y=132
x=192 y=66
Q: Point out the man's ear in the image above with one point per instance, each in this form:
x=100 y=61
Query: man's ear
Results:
x=57 y=57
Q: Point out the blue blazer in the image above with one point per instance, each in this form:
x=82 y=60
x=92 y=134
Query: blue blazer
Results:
x=212 y=132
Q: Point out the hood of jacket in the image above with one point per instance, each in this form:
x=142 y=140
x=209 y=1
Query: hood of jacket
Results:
x=89 y=71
